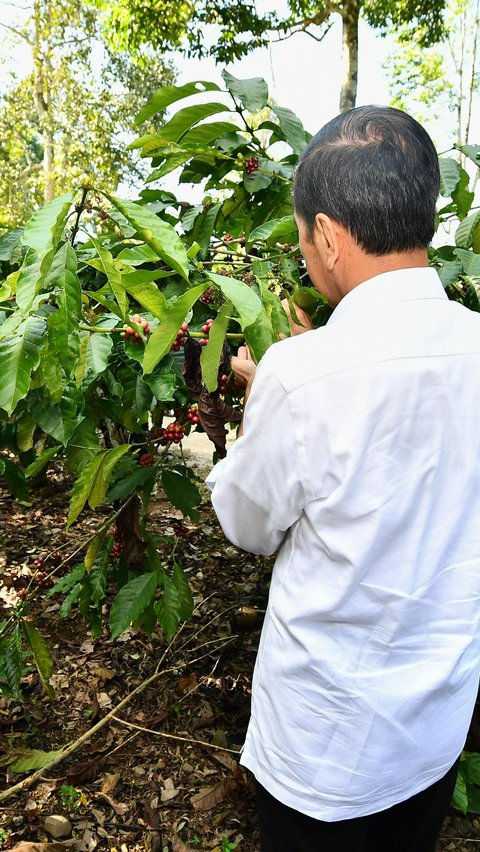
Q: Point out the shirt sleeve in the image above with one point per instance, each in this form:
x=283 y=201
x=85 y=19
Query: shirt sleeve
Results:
x=257 y=490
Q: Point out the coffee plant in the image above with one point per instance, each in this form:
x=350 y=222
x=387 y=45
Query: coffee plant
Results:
x=117 y=323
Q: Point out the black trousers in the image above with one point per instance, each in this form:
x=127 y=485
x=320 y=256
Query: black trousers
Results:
x=410 y=826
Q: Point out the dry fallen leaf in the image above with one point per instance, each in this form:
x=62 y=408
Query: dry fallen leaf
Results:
x=103 y=673
x=119 y=807
x=178 y=845
x=25 y=846
x=109 y=782
x=208 y=797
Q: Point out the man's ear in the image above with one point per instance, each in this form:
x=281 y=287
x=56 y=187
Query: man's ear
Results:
x=327 y=236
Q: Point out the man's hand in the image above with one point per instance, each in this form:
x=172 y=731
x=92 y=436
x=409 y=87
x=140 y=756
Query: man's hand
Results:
x=295 y=328
x=244 y=371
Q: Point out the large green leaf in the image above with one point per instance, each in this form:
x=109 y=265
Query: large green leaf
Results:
x=292 y=128
x=147 y=295
x=245 y=300
x=210 y=355
x=83 y=445
x=45 y=228
x=184 y=592
x=274 y=230
x=471 y=151
x=14 y=479
x=168 y=608
x=32 y=276
x=27 y=759
x=41 y=655
x=98 y=352
x=181 y=492
x=19 y=356
x=204 y=134
x=61 y=419
x=93 y=481
x=41 y=461
x=465 y=232
x=136 y=255
x=9 y=243
x=170 y=94
x=131 y=601
x=113 y=275
x=252 y=93
x=63 y=326
x=259 y=336
x=164 y=334
x=186 y=118
x=12 y=660
x=162 y=382
x=449 y=175
x=172 y=161
x=159 y=235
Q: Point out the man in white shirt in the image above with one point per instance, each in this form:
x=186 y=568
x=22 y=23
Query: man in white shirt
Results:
x=360 y=465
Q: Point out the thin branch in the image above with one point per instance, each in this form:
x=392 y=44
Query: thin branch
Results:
x=17 y=32
x=174 y=736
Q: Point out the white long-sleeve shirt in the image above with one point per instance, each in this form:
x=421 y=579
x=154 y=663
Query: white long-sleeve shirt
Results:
x=360 y=463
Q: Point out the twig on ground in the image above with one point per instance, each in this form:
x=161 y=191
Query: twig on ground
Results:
x=174 y=736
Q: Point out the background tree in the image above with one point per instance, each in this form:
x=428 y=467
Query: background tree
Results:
x=168 y=24
x=71 y=115
x=429 y=80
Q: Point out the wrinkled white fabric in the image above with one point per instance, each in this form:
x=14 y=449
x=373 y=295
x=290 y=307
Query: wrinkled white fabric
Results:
x=360 y=463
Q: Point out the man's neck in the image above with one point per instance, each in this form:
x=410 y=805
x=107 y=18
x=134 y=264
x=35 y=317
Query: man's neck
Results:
x=361 y=266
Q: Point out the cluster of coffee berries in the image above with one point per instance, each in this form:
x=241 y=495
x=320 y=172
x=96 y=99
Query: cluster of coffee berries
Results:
x=223 y=384
x=174 y=432
x=251 y=165
x=193 y=415
x=180 y=338
x=206 y=331
x=146 y=460
x=41 y=578
x=117 y=549
x=180 y=530
x=207 y=296
x=130 y=332
x=227 y=238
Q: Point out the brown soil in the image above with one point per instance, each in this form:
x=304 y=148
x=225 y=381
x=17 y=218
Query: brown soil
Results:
x=177 y=785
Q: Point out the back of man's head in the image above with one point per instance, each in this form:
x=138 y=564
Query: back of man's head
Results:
x=375 y=171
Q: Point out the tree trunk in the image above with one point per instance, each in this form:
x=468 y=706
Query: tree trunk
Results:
x=43 y=103
x=350 y=16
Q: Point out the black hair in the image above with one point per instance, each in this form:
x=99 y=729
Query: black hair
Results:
x=375 y=171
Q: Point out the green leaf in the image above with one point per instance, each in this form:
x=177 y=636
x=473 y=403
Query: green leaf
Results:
x=63 y=326
x=12 y=660
x=19 y=356
x=461 y=196
x=184 y=592
x=14 y=479
x=449 y=272
x=245 y=300
x=181 y=492
x=170 y=94
x=98 y=353
x=292 y=128
x=159 y=235
x=131 y=601
x=140 y=477
x=164 y=334
x=274 y=230
x=28 y=759
x=162 y=382
x=168 y=608
x=186 y=118
x=460 y=798
x=9 y=243
x=59 y=420
x=101 y=482
x=465 y=232
x=113 y=275
x=94 y=548
x=211 y=354
x=136 y=255
x=83 y=486
x=41 y=655
x=68 y=582
x=252 y=93
x=83 y=445
x=449 y=175
x=31 y=277
x=147 y=295
x=203 y=227
x=42 y=460
x=204 y=134
x=471 y=151
x=25 y=432
x=45 y=228
x=172 y=162
x=259 y=336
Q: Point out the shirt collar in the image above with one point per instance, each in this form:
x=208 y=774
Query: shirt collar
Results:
x=401 y=285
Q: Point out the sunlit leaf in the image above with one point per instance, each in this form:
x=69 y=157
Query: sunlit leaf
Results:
x=19 y=356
